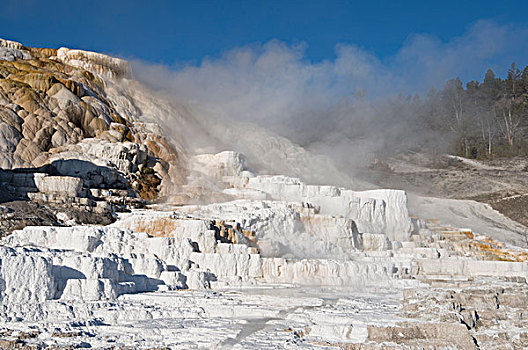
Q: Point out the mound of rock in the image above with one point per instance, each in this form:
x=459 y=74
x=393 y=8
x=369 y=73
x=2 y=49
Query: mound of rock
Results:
x=68 y=139
x=50 y=100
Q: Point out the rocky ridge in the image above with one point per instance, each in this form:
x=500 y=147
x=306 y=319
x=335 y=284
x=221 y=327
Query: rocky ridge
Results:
x=68 y=137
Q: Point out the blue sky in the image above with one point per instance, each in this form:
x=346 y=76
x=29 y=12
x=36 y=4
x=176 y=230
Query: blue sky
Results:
x=285 y=63
x=411 y=45
x=186 y=31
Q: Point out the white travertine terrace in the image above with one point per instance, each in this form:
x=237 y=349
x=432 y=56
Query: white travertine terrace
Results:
x=100 y=270
x=11 y=44
x=275 y=263
x=110 y=67
x=189 y=246
x=374 y=211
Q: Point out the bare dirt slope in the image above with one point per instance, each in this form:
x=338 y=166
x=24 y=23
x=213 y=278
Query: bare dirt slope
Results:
x=501 y=183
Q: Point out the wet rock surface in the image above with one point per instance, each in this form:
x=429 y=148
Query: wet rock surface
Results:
x=200 y=266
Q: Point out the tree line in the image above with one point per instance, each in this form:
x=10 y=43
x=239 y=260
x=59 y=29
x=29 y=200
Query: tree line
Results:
x=481 y=119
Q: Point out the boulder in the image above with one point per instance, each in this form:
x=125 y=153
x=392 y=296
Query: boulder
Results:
x=62 y=185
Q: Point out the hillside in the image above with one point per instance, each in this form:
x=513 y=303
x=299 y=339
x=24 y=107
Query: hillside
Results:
x=129 y=220
x=77 y=113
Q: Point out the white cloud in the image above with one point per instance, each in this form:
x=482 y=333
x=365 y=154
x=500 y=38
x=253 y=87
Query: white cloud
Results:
x=275 y=85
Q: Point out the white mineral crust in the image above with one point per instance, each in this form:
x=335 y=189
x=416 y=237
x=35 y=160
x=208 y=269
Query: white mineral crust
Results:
x=275 y=263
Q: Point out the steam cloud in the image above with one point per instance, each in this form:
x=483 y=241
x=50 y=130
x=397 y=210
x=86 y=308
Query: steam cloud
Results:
x=342 y=106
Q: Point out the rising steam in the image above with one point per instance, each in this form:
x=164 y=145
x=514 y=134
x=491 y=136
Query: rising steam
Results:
x=342 y=107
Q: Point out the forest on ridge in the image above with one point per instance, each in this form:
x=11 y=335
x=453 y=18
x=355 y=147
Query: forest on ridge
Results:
x=481 y=119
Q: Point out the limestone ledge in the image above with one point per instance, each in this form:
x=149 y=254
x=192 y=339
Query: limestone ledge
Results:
x=110 y=67
x=98 y=63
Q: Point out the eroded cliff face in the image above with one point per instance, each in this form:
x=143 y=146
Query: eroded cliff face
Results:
x=53 y=99
x=71 y=114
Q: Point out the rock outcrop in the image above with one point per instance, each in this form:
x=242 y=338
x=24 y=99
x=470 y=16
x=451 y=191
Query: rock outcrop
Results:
x=95 y=62
x=50 y=100
x=63 y=114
